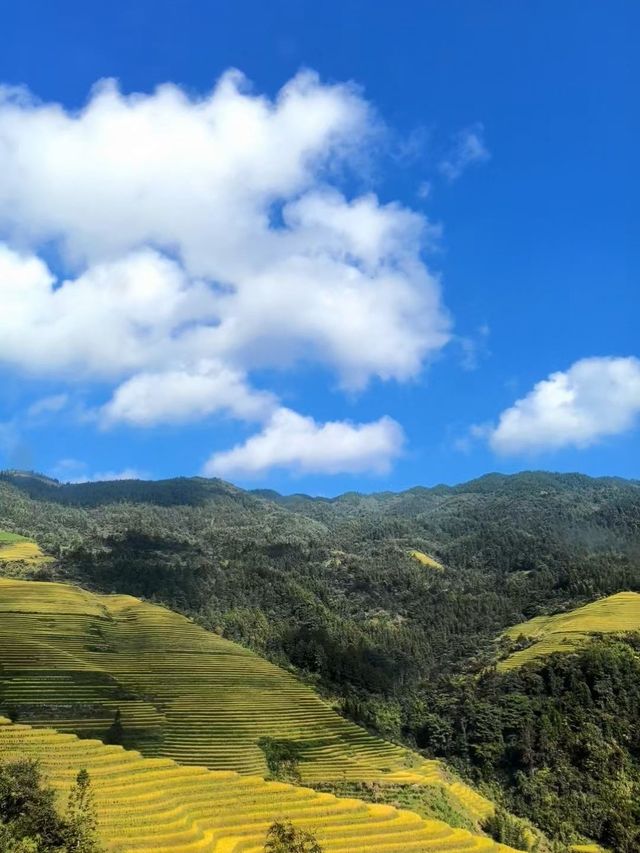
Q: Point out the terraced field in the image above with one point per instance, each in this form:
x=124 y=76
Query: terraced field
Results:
x=69 y=659
x=565 y=632
x=14 y=548
x=587 y=848
x=155 y=805
x=426 y=560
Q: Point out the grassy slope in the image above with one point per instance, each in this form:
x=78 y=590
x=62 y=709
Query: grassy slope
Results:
x=564 y=632
x=7 y=538
x=14 y=548
x=70 y=658
x=156 y=805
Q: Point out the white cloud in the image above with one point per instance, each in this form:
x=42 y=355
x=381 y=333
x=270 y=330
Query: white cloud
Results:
x=593 y=399
x=125 y=474
x=178 y=396
x=469 y=147
x=76 y=471
x=292 y=441
x=196 y=174
x=204 y=239
x=116 y=317
x=271 y=264
x=48 y=405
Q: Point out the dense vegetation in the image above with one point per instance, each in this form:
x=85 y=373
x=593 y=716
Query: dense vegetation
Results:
x=330 y=587
x=560 y=737
x=29 y=820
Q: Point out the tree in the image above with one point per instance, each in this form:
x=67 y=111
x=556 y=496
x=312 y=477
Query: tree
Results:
x=29 y=822
x=284 y=837
x=10 y=844
x=282 y=757
x=81 y=819
x=507 y=829
x=27 y=806
x=115 y=733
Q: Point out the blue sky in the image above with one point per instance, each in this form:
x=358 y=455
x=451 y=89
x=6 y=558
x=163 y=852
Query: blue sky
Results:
x=417 y=266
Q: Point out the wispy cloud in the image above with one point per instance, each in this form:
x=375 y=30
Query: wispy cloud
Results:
x=474 y=347
x=424 y=190
x=468 y=148
x=76 y=471
x=48 y=405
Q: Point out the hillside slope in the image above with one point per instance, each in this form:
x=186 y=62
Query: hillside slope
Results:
x=19 y=549
x=70 y=659
x=566 y=632
x=147 y=805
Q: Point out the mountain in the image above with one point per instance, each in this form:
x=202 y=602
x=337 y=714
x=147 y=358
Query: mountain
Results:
x=331 y=588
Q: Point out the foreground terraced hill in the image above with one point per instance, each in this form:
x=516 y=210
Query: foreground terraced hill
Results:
x=565 y=632
x=69 y=659
x=156 y=805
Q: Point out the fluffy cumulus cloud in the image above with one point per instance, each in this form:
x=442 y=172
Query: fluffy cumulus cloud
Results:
x=116 y=317
x=176 y=396
x=202 y=239
x=593 y=399
x=292 y=441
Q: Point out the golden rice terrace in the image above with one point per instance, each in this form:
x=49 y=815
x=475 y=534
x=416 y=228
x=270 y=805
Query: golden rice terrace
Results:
x=566 y=632
x=197 y=707
x=18 y=549
x=155 y=805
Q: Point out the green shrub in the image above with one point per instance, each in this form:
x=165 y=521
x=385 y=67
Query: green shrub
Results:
x=284 y=837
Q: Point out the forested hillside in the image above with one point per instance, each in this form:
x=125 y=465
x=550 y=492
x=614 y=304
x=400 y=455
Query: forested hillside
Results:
x=333 y=588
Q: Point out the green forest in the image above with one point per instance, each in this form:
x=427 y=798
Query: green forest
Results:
x=329 y=589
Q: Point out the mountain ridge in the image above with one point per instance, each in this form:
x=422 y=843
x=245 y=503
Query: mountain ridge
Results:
x=27 y=481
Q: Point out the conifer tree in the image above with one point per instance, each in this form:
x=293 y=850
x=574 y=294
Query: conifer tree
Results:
x=81 y=818
x=115 y=733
